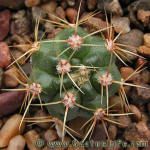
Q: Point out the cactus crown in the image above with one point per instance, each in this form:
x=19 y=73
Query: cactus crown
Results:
x=79 y=62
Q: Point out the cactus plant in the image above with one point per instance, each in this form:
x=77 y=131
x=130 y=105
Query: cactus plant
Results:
x=45 y=67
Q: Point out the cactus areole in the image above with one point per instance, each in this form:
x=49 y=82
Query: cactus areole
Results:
x=80 y=50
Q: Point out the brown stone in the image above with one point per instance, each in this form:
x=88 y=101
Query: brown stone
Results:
x=4 y=55
x=17 y=143
x=124 y=121
x=11 y=129
x=143 y=16
x=17 y=54
x=141 y=61
x=71 y=2
x=50 y=135
x=10 y=101
x=76 y=124
x=137 y=132
x=49 y=7
x=97 y=23
x=147 y=39
x=13 y=4
x=132 y=40
x=143 y=92
x=41 y=113
x=5 y=17
x=126 y=72
x=136 y=113
x=71 y=13
x=112 y=131
x=121 y=24
x=31 y=137
x=60 y=12
x=31 y=3
x=144 y=50
x=10 y=76
x=116 y=100
x=91 y=4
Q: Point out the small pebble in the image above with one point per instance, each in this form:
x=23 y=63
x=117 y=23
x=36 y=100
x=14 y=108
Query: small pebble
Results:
x=41 y=113
x=10 y=76
x=20 y=26
x=5 y=17
x=136 y=112
x=91 y=4
x=11 y=129
x=126 y=72
x=112 y=7
x=99 y=128
x=49 y=7
x=145 y=75
x=116 y=100
x=67 y=139
x=96 y=23
x=49 y=28
x=143 y=16
x=60 y=13
x=19 y=14
x=50 y=135
x=31 y=3
x=17 y=54
x=4 y=55
x=125 y=121
x=144 y=50
x=115 y=8
x=142 y=92
x=147 y=39
x=141 y=61
x=10 y=101
x=112 y=131
x=38 y=13
x=134 y=38
x=64 y=4
x=71 y=13
x=143 y=129
x=137 y=132
x=17 y=143
x=121 y=24
x=53 y=17
x=76 y=124
x=12 y=4
x=71 y=2
x=31 y=137
x=145 y=117
x=20 y=40
x=59 y=127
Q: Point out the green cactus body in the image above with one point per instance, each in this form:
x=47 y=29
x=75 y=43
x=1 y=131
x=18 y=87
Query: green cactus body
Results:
x=45 y=62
